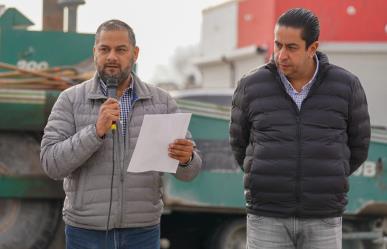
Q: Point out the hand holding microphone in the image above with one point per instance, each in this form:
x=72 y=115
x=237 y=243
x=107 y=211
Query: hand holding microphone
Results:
x=109 y=113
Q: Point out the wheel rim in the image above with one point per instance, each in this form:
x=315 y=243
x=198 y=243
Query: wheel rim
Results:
x=237 y=239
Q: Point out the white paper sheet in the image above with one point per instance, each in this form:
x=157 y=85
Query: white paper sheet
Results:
x=157 y=132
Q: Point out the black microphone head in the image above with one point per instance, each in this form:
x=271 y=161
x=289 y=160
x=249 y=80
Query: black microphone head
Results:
x=112 y=83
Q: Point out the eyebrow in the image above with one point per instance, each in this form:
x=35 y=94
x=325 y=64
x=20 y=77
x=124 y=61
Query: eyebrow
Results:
x=287 y=45
x=119 y=46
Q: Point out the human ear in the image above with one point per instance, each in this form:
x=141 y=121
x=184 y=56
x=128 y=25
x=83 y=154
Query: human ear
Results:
x=312 y=49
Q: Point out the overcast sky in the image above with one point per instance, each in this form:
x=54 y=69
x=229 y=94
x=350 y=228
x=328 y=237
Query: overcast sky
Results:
x=160 y=26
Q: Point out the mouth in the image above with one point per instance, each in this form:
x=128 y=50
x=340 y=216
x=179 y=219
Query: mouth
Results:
x=111 y=66
x=284 y=66
x=111 y=69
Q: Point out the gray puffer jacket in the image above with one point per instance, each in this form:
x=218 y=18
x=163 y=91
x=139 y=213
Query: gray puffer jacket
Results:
x=72 y=150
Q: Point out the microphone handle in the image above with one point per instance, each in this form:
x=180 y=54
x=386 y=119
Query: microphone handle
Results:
x=112 y=93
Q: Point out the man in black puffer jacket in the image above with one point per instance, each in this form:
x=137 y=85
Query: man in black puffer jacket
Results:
x=299 y=128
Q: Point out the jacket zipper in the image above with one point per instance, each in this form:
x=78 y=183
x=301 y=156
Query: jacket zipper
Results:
x=320 y=76
x=298 y=174
x=299 y=154
x=120 y=162
x=298 y=123
x=122 y=173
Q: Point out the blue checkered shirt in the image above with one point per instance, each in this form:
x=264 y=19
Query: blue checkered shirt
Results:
x=298 y=97
x=126 y=102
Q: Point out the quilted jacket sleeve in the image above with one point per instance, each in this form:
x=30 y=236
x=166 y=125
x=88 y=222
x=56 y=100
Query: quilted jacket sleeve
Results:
x=63 y=149
x=358 y=127
x=239 y=125
x=190 y=172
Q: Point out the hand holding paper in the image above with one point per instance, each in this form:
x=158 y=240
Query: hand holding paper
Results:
x=181 y=150
x=157 y=133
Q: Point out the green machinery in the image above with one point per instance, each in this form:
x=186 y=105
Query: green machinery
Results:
x=30 y=203
x=40 y=50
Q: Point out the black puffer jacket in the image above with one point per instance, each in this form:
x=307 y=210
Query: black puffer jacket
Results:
x=298 y=162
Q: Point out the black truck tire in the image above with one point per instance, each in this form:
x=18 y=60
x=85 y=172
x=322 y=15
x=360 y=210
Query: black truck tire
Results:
x=231 y=234
x=28 y=224
x=25 y=223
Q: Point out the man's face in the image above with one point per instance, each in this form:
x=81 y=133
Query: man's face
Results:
x=114 y=56
x=290 y=53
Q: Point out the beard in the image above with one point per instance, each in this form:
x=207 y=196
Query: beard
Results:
x=120 y=76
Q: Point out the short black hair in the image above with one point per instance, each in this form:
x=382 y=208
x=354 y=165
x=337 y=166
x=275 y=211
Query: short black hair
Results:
x=304 y=19
x=115 y=25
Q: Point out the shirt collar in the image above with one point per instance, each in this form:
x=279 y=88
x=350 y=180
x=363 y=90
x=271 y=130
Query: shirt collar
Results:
x=308 y=85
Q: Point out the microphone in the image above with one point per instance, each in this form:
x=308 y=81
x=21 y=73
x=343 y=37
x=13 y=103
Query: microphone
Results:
x=112 y=83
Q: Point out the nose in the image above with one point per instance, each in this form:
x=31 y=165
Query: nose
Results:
x=282 y=54
x=112 y=56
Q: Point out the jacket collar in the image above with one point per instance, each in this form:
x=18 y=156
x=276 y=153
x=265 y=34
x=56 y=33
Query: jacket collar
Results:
x=324 y=66
x=142 y=90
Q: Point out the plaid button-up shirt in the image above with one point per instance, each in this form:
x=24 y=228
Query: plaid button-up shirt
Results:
x=298 y=97
x=126 y=102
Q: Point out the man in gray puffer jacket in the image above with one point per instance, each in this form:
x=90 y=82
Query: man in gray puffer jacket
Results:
x=77 y=146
